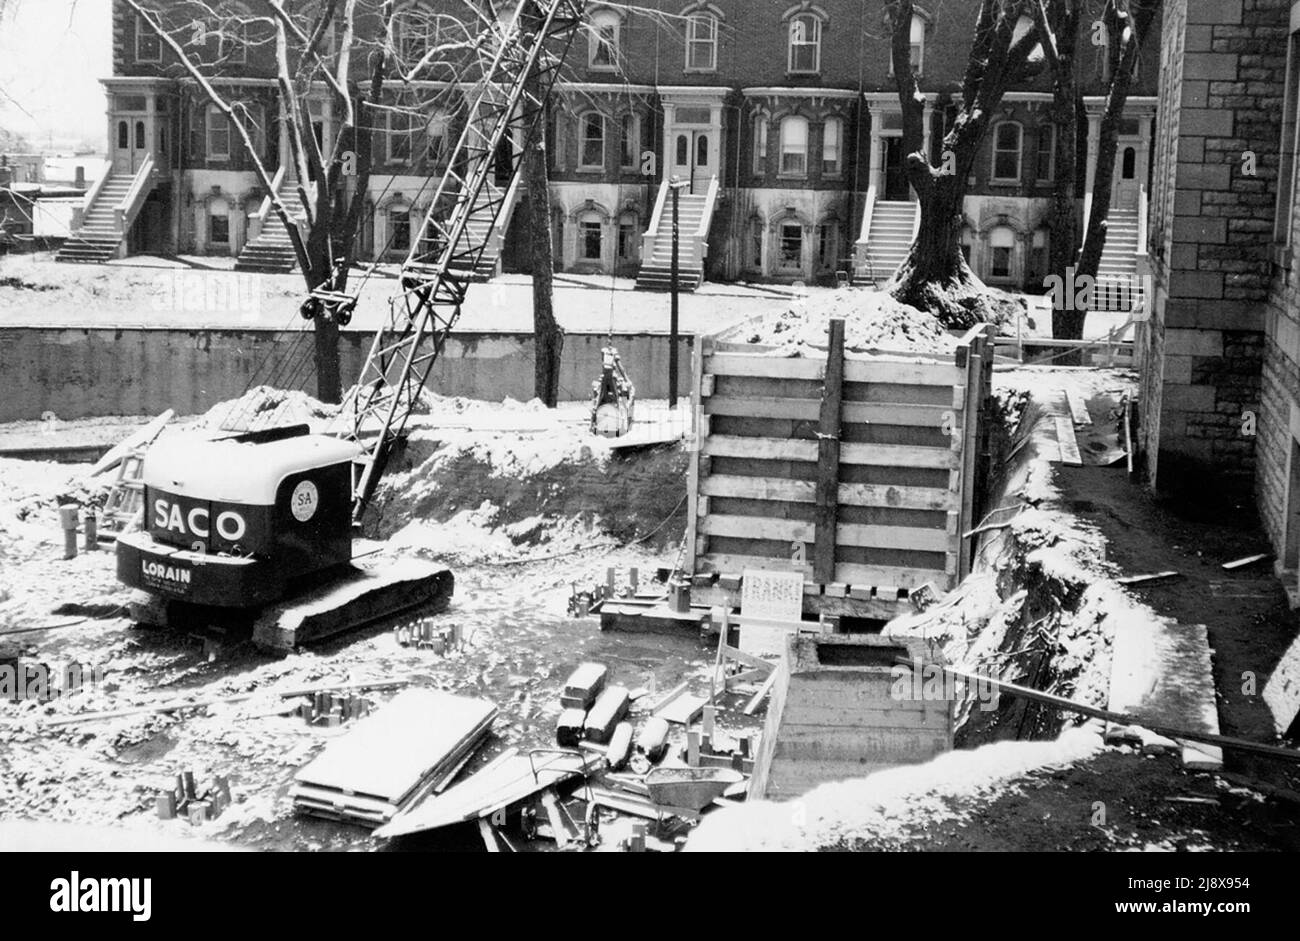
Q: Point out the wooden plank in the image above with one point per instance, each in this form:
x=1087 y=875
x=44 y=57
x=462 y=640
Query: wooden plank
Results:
x=849 y=573
x=695 y=470
x=752 y=705
x=852 y=413
x=1282 y=691
x=828 y=458
x=1078 y=409
x=969 y=432
x=1065 y=438
x=783 y=449
x=876 y=370
x=846 y=534
x=803 y=491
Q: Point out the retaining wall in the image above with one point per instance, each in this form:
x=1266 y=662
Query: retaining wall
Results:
x=89 y=372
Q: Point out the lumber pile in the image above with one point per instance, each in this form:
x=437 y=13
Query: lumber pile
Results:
x=413 y=746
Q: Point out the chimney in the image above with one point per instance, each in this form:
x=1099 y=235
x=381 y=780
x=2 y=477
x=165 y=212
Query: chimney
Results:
x=81 y=178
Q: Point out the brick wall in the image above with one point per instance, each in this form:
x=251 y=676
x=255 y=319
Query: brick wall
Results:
x=1216 y=171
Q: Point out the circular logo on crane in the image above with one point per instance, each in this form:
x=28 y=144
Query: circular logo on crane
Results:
x=304 y=501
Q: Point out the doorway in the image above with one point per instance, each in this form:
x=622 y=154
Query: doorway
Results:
x=1127 y=186
x=896 y=188
x=693 y=158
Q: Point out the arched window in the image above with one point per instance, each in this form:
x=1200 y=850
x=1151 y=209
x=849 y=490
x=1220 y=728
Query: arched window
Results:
x=218 y=134
x=832 y=135
x=603 y=44
x=1006 y=151
x=1128 y=164
x=702 y=150
x=1046 y=170
x=592 y=145
x=805 y=43
x=760 y=145
x=628 y=230
x=591 y=236
x=915 y=45
x=683 y=150
x=794 y=146
x=123 y=135
x=140 y=143
x=628 y=141
x=399 y=229
x=701 y=42
x=1002 y=248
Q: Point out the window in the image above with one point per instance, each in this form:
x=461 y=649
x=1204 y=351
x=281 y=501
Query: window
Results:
x=1002 y=242
x=602 y=49
x=139 y=136
x=794 y=146
x=593 y=140
x=805 y=43
x=1006 y=151
x=398 y=136
x=627 y=237
x=123 y=135
x=399 y=229
x=832 y=132
x=755 y=246
x=219 y=222
x=416 y=34
x=232 y=41
x=682 y=152
x=436 y=144
x=148 y=45
x=701 y=42
x=916 y=47
x=218 y=126
x=1046 y=169
x=760 y=146
x=1128 y=164
x=827 y=241
x=1038 y=255
x=627 y=142
x=590 y=247
x=790 y=255
x=702 y=150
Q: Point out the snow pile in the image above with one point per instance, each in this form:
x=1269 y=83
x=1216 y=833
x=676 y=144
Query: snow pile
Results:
x=265 y=407
x=872 y=321
x=892 y=808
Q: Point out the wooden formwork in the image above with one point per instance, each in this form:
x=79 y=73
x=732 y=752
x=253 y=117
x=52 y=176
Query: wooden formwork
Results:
x=861 y=470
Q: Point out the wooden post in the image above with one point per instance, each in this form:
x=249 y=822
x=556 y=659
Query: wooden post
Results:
x=828 y=458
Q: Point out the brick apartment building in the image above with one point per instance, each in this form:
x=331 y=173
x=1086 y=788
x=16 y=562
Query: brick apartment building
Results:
x=782 y=116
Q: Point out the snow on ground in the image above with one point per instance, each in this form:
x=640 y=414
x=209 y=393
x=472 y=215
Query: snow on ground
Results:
x=895 y=806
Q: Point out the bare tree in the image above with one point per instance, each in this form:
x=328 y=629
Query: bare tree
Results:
x=1059 y=25
x=349 y=50
x=935 y=275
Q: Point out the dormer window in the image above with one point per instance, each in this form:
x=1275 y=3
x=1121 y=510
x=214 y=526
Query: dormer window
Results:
x=805 y=43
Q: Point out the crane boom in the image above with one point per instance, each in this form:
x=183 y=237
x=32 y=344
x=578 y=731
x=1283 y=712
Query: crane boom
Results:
x=516 y=81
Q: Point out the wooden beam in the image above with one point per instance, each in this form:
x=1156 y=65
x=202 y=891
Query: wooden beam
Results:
x=828 y=458
x=784 y=490
x=787 y=449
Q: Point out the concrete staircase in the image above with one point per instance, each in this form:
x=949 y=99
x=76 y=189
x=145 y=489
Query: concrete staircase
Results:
x=889 y=238
x=1118 y=287
x=271 y=249
x=477 y=228
x=97 y=239
x=694 y=214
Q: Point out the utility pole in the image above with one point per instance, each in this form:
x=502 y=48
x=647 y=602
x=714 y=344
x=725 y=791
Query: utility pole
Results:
x=676 y=187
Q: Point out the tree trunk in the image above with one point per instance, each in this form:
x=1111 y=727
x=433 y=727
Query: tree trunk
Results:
x=548 y=337
x=935 y=277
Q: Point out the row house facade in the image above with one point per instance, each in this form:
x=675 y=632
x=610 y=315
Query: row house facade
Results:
x=780 y=117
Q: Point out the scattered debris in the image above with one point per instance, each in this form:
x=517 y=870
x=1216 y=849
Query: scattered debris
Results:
x=1145 y=579
x=1247 y=560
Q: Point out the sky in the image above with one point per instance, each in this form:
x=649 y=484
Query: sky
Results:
x=52 y=55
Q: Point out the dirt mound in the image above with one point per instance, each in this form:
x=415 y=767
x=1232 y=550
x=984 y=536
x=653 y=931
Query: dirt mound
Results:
x=872 y=321
x=478 y=494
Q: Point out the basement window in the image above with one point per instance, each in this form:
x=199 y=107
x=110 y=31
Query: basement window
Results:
x=589 y=240
x=791 y=249
x=859 y=655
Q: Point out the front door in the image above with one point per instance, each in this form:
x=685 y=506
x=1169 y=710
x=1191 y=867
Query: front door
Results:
x=130 y=143
x=1127 y=185
x=896 y=188
x=693 y=158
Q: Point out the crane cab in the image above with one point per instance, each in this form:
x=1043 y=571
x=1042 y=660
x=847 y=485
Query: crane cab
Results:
x=232 y=521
